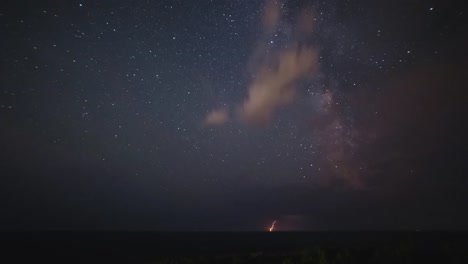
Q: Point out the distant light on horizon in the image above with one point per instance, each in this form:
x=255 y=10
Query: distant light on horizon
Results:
x=272 y=226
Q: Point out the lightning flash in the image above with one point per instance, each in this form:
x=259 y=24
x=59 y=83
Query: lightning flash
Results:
x=272 y=226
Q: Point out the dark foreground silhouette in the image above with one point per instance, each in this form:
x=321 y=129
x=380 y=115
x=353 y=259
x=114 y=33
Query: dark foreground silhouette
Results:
x=238 y=247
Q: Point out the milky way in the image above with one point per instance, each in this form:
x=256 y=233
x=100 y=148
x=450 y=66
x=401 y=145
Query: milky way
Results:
x=321 y=114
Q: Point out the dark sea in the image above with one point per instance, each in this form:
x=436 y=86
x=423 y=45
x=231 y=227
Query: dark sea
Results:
x=221 y=247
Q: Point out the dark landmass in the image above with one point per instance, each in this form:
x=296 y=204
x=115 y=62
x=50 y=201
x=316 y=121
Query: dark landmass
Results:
x=237 y=247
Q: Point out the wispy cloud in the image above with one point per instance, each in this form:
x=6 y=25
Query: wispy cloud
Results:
x=276 y=87
x=275 y=78
x=217 y=117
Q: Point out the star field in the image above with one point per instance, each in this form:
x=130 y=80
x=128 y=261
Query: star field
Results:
x=151 y=112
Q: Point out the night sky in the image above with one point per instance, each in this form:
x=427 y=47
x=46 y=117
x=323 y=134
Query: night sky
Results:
x=229 y=115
